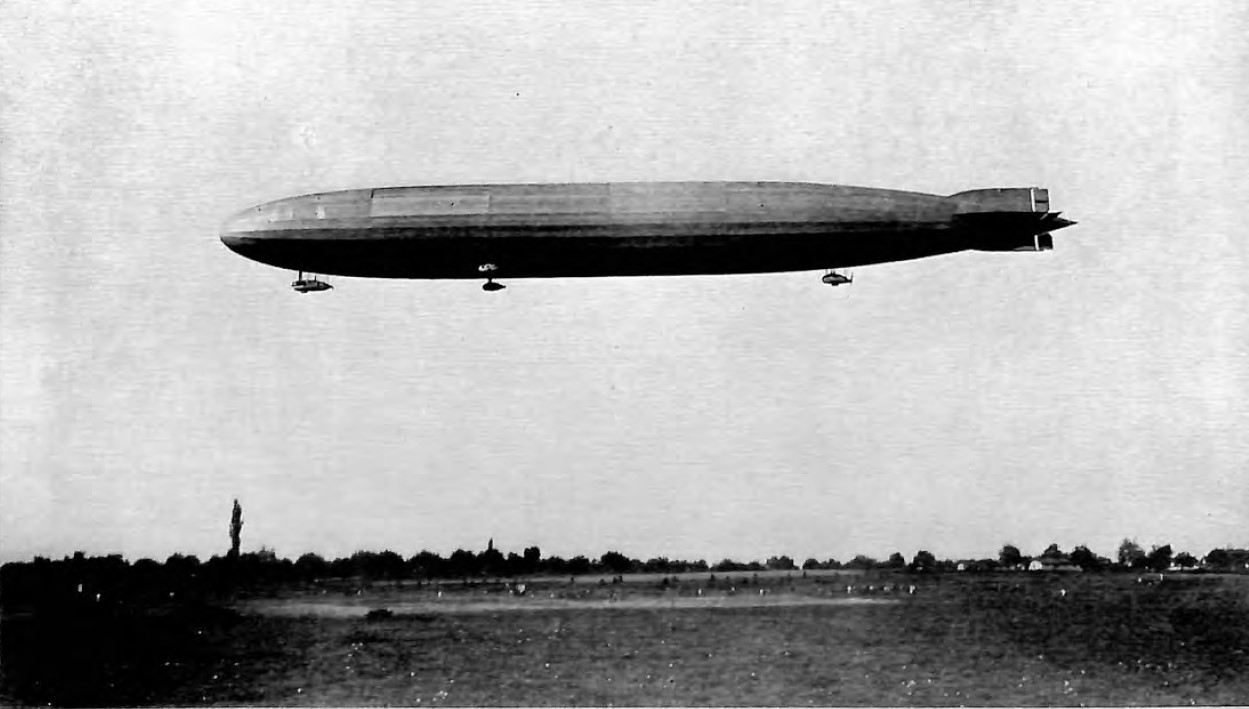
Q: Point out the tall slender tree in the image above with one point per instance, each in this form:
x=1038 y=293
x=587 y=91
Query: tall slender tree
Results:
x=236 y=529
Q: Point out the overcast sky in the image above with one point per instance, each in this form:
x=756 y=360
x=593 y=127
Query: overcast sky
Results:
x=1080 y=396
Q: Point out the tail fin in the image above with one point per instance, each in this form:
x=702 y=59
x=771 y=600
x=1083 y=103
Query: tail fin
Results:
x=1002 y=199
x=1008 y=219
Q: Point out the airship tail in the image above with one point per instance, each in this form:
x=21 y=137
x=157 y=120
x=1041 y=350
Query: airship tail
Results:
x=1008 y=218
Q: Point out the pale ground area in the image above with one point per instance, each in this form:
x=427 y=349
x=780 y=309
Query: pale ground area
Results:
x=454 y=606
x=687 y=591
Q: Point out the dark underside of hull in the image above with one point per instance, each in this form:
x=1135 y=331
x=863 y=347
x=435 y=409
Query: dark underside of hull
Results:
x=547 y=253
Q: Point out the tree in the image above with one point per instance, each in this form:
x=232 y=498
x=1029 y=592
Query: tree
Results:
x=462 y=562
x=809 y=564
x=657 y=565
x=862 y=561
x=236 y=529
x=1051 y=551
x=312 y=566
x=490 y=561
x=342 y=567
x=533 y=559
x=1010 y=556
x=182 y=564
x=1130 y=554
x=146 y=567
x=1185 y=560
x=427 y=564
x=1085 y=559
x=896 y=561
x=388 y=565
x=781 y=563
x=616 y=563
x=1219 y=559
x=514 y=565
x=578 y=565
x=557 y=565
x=1159 y=558
x=923 y=561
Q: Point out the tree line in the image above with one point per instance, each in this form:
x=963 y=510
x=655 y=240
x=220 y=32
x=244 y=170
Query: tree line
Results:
x=183 y=574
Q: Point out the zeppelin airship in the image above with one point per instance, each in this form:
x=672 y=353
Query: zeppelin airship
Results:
x=511 y=231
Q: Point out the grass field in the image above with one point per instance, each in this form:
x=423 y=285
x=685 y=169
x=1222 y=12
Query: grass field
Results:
x=998 y=639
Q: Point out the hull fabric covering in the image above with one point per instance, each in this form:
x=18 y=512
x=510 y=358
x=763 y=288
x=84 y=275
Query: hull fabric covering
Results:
x=629 y=229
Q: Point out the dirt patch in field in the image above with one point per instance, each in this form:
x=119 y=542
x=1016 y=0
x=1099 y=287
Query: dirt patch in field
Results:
x=454 y=606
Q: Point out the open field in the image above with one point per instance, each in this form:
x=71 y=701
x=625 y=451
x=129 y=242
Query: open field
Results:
x=957 y=639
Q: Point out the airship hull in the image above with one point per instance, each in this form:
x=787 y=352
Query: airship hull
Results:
x=624 y=229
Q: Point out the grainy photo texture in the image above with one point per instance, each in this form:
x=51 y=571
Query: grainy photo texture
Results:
x=594 y=354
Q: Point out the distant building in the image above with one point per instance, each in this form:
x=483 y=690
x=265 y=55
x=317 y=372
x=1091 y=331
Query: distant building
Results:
x=1059 y=562
x=976 y=565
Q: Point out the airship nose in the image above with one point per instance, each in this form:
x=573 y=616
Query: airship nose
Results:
x=233 y=242
x=243 y=234
x=241 y=228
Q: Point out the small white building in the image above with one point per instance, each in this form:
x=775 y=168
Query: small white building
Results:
x=1053 y=563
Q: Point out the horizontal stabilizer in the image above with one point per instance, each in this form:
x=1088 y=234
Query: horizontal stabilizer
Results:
x=1015 y=242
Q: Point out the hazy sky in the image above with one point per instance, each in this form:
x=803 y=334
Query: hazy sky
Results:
x=150 y=376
